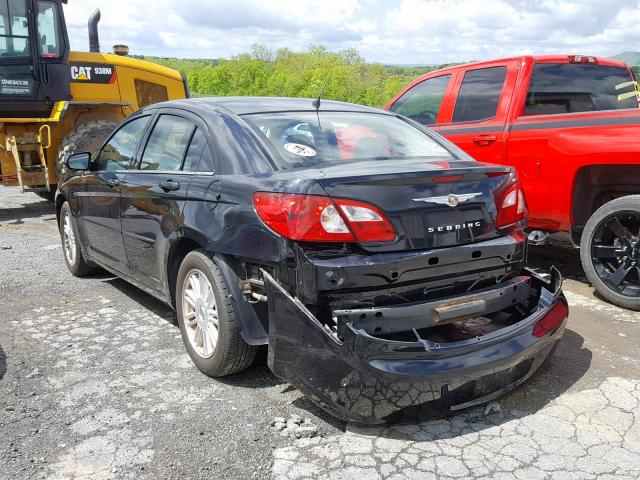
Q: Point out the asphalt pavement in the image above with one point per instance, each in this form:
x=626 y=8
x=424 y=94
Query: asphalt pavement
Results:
x=95 y=384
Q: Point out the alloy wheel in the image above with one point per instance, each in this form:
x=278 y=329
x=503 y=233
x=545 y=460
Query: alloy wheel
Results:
x=615 y=252
x=200 y=313
x=69 y=239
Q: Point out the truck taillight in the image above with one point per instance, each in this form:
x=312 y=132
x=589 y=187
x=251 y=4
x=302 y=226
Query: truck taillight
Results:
x=511 y=205
x=315 y=218
x=583 y=59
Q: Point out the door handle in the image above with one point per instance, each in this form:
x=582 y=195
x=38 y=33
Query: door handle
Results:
x=114 y=182
x=484 y=140
x=169 y=185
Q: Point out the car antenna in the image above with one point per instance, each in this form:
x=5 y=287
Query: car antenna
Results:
x=316 y=102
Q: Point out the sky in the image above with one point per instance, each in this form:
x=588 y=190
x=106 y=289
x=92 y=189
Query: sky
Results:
x=421 y=32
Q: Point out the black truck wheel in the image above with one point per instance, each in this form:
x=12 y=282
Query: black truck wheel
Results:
x=207 y=320
x=87 y=137
x=610 y=251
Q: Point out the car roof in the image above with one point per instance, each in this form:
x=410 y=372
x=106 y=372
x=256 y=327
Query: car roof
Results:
x=249 y=105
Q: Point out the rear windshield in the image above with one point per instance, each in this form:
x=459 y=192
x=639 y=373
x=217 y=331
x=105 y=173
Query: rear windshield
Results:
x=324 y=138
x=577 y=87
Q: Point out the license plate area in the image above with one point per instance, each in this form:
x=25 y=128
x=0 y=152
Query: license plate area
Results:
x=407 y=317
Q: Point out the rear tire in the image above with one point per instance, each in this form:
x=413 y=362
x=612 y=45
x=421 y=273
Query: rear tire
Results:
x=87 y=137
x=610 y=251
x=71 y=249
x=207 y=320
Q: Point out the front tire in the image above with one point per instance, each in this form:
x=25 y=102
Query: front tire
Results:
x=76 y=263
x=207 y=320
x=610 y=251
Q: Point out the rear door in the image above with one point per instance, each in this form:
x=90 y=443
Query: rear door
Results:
x=153 y=197
x=482 y=97
x=99 y=204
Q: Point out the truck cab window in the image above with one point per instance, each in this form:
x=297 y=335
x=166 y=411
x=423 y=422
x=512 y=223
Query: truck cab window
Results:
x=14 y=29
x=479 y=94
x=577 y=87
x=48 y=30
x=422 y=102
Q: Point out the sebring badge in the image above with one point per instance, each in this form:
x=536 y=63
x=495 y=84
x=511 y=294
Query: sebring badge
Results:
x=451 y=200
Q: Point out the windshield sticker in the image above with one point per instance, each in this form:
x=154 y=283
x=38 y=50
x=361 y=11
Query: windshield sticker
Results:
x=298 y=149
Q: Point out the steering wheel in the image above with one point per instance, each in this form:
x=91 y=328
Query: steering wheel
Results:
x=426 y=117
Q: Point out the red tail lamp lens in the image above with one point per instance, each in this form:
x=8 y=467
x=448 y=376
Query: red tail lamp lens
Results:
x=552 y=320
x=316 y=218
x=512 y=207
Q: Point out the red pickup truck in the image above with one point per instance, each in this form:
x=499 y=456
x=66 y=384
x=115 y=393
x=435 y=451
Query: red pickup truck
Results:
x=571 y=127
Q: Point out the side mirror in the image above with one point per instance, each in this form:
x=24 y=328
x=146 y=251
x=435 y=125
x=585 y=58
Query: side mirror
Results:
x=79 y=161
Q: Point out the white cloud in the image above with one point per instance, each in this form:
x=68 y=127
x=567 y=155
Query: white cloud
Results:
x=399 y=31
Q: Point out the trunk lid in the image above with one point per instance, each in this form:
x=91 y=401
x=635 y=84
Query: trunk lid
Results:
x=431 y=204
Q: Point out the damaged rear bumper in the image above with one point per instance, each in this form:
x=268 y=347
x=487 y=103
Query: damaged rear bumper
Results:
x=361 y=377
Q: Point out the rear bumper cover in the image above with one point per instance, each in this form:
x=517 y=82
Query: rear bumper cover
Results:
x=371 y=380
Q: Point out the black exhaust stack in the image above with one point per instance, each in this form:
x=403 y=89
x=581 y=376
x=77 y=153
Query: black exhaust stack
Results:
x=94 y=39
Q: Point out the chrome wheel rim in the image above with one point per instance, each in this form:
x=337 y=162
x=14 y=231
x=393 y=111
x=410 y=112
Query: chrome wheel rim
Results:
x=69 y=239
x=200 y=313
x=615 y=253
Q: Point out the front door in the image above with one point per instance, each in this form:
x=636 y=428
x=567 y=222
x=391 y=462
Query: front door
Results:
x=153 y=197
x=99 y=203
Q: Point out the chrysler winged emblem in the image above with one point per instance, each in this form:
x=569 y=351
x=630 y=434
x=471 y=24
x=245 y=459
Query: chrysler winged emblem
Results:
x=451 y=200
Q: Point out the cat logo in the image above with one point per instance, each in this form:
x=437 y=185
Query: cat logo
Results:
x=81 y=73
x=92 y=73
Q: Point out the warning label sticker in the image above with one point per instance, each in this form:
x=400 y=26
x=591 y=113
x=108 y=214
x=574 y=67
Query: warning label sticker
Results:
x=16 y=87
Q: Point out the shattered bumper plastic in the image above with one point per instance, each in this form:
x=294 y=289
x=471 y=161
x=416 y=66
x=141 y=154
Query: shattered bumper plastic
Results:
x=359 y=377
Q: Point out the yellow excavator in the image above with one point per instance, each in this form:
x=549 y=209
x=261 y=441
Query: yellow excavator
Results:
x=54 y=101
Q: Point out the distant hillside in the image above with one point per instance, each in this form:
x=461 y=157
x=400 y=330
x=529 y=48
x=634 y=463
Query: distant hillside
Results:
x=631 y=58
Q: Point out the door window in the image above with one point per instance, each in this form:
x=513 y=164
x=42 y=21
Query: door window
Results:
x=422 y=102
x=479 y=94
x=48 y=30
x=119 y=151
x=577 y=87
x=14 y=29
x=167 y=144
x=198 y=158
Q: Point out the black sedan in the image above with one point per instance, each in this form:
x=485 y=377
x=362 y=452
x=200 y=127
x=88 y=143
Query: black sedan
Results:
x=383 y=267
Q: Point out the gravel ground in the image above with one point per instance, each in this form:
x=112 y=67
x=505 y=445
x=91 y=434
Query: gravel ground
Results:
x=95 y=383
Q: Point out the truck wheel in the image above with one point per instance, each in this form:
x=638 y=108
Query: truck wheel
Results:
x=610 y=251
x=84 y=138
x=76 y=263
x=207 y=321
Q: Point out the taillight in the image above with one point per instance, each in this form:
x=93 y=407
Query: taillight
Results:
x=583 y=59
x=315 y=218
x=551 y=320
x=511 y=205
x=367 y=223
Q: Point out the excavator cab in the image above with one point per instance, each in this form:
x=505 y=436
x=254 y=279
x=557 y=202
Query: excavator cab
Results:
x=34 y=57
